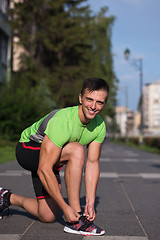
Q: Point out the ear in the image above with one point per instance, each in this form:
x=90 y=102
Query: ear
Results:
x=80 y=98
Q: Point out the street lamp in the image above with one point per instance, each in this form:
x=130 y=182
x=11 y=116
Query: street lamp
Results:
x=139 y=65
x=127 y=54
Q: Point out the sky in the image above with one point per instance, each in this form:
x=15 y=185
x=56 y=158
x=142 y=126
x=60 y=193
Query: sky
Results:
x=136 y=27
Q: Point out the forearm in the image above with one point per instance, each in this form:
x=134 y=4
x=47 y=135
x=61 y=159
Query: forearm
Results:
x=91 y=180
x=50 y=183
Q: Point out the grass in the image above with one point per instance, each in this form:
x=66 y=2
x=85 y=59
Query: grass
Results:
x=143 y=147
x=7 y=151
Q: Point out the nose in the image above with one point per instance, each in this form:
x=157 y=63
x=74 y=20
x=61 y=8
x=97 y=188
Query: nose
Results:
x=93 y=105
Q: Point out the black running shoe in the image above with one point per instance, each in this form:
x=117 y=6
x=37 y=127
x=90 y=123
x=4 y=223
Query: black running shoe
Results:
x=84 y=227
x=4 y=200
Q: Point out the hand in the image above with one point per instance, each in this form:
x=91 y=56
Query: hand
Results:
x=89 y=212
x=71 y=215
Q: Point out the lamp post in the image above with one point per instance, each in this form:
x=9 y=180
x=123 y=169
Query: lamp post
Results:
x=139 y=65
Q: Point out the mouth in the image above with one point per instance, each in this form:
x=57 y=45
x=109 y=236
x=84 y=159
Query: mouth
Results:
x=91 y=112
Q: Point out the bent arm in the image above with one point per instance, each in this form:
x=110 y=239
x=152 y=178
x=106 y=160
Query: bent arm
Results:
x=92 y=173
x=49 y=155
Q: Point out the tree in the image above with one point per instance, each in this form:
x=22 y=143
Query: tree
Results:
x=63 y=44
x=20 y=108
x=101 y=64
x=55 y=42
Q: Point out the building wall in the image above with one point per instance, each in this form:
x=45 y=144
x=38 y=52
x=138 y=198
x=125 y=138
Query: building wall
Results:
x=18 y=50
x=5 y=43
x=128 y=121
x=121 y=118
x=151 y=108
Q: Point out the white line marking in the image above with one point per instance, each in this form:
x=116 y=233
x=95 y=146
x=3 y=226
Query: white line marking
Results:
x=136 y=160
x=105 y=160
x=16 y=173
x=19 y=173
x=142 y=175
x=10 y=236
x=150 y=175
x=130 y=160
x=108 y=175
x=128 y=175
x=116 y=238
x=130 y=153
x=10 y=174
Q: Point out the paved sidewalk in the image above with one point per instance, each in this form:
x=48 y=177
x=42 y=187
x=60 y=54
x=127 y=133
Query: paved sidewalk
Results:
x=127 y=201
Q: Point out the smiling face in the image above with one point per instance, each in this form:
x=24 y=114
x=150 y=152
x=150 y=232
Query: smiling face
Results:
x=91 y=104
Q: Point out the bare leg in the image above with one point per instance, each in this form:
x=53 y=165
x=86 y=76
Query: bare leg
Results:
x=45 y=210
x=73 y=173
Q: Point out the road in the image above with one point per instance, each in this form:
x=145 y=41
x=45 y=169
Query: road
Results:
x=127 y=200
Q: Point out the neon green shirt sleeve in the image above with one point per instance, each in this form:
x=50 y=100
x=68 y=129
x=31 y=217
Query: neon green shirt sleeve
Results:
x=58 y=130
x=102 y=133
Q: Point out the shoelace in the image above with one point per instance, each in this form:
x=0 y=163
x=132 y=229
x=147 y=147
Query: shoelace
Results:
x=4 y=203
x=86 y=224
x=2 y=200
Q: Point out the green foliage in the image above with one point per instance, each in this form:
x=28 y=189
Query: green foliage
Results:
x=152 y=141
x=55 y=41
x=7 y=151
x=101 y=62
x=62 y=38
x=21 y=106
x=148 y=142
x=63 y=44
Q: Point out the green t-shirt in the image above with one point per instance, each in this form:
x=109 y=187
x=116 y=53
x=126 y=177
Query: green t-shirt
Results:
x=64 y=126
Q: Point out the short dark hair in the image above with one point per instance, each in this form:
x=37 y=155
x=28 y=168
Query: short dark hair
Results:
x=95 y=84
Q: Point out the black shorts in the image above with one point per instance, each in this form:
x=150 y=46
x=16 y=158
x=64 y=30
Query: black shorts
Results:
x=27 y=154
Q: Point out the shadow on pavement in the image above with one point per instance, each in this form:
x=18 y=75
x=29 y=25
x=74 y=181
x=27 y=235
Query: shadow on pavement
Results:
x=155 y=165
x=60 y=218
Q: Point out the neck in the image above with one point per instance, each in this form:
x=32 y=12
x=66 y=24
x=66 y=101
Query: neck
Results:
x=82 y=117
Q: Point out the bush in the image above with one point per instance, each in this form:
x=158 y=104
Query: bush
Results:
x=148 y=141
x=21 y=107
x=152 y=141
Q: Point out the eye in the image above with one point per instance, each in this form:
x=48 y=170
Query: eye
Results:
x=100 y=103
x=89 y=99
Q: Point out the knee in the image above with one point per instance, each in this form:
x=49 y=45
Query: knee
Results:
x=47 y=218
x=47 y=210
x=77 y=153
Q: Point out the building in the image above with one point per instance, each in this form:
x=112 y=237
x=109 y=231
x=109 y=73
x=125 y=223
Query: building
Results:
x=151 y=108
x=121 y=118
x=128 y=121
x=18 y=49
x=5 y=43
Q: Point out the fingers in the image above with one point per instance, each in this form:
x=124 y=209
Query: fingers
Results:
x=91 y=218
x=90 y=212
x=71 y=216
x=77 y=216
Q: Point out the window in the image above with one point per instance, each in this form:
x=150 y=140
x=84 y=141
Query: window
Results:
x=3 y=48
x=156 y=111
x=3 y=56
x=156 y=106
x=4 y=5
x=156 y=123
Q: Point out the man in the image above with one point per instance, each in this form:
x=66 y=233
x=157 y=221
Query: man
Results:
x=57 y=139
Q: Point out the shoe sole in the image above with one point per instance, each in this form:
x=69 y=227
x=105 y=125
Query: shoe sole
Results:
x=69 y=230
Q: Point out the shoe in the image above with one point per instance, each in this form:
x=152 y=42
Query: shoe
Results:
x=84 y=227
x=4 y=200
